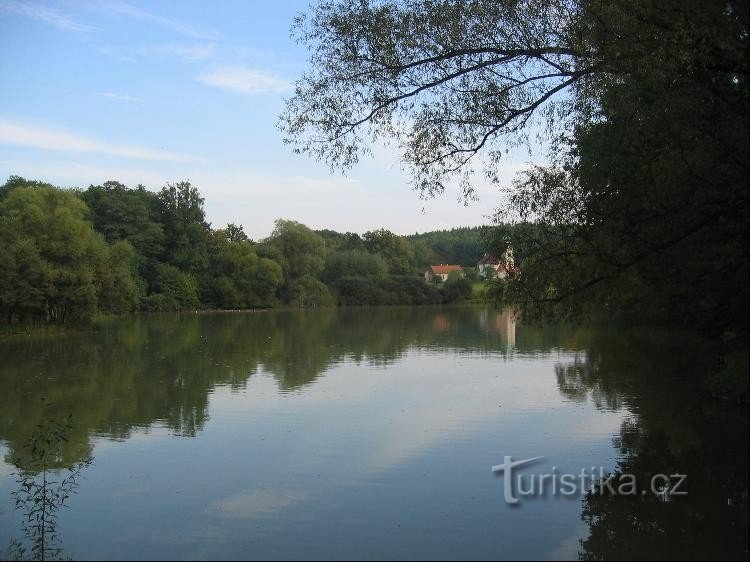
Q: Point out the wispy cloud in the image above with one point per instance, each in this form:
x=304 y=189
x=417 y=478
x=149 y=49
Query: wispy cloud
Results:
x=68 y=171
x=192 y=53
x=44 y=14
x=36 y=137
x=244 y=80
x=121 y=97
x=251 y=504
x=176 y=25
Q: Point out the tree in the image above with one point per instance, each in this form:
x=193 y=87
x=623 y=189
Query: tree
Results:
x=462 y=246
x=644 y=214
x=645 y=105
x=456 y=288
x=56 y=266
x=496 y=291
x=42 y=491
x=267 y=278
x=352 y=241
x=52 y=254
x=301 y=251
x=18 y=181
x=176 y=289
x=237 y=277
x=359 y=291
x=341 y=240
x=185 y=228
x=23 y=278
x=394 y=249
x=126 y=214
x=350 y=263
x=443 y=79
x=307 y=291
x=235 y=233
x=117 y=279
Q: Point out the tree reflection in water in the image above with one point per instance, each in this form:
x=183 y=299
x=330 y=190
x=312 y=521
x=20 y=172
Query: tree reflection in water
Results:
x=44 y=487
x=673 y=428
x=135 y=372
x=138 y=372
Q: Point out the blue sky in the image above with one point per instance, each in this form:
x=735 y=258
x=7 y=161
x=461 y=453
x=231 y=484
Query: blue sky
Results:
x=154 y=92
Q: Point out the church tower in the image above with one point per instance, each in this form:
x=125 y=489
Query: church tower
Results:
x=508 y=255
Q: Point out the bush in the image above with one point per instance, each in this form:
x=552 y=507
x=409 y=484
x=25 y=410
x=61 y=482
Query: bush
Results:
x=157 y=302
x=456 y=290
x=176 y=285
x=309 y=291
x=390 y=290
x=357 y=291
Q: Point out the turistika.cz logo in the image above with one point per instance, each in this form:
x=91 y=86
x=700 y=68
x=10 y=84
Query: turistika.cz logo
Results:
x=589 y=480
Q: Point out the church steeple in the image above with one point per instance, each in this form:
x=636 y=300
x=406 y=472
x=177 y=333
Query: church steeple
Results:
x=508 y=254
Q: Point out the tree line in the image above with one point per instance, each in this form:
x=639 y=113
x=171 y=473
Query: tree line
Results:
x=69 y=255
x=642 y=210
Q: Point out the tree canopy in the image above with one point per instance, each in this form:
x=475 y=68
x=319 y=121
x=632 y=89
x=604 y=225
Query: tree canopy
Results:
x=642 y=210
x=54 y=264
x=70 y=255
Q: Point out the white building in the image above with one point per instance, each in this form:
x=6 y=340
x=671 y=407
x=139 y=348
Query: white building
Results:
x=492 y=266
x=441 y=272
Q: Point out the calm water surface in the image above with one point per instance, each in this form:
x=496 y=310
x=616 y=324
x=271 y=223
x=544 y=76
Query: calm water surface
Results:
x=370 y=433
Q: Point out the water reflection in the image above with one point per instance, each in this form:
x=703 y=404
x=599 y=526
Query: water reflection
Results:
x=42 y=492
x=133 y=372
x=317 y=413
x=673 y=427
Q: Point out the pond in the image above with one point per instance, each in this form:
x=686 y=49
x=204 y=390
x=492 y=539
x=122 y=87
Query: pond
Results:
x=372 y=433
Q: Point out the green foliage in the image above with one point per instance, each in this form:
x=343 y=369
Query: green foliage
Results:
x=456 y=288
x=14 y=182
x=237 y=277
x=643 y=212
x=496 y=291
x=398 y=290
x=307 y=291
x=441 y=80
x=235 y=233
x=341 y=240
x=146 y=251
x=471 y=274
x=454 y=276
x=155 y=252
x=301 y=251
x=126 y=214
x=39 y=495
x=51 y=254
x=267 y=280
x=352 y=263
x=118 y=288
x=23 y=279
x=358 y=291
x=179 y=289
x=181 y=213
x=395 y=250
x=461 y=246
x=408 y=290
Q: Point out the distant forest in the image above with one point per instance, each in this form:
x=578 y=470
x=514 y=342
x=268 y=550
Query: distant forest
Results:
x=71 y=254
x=460 y=246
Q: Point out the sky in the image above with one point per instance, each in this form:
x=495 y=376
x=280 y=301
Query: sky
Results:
x=156 y=92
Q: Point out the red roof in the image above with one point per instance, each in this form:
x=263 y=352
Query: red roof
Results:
x=488 y=259
x=444 y=269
